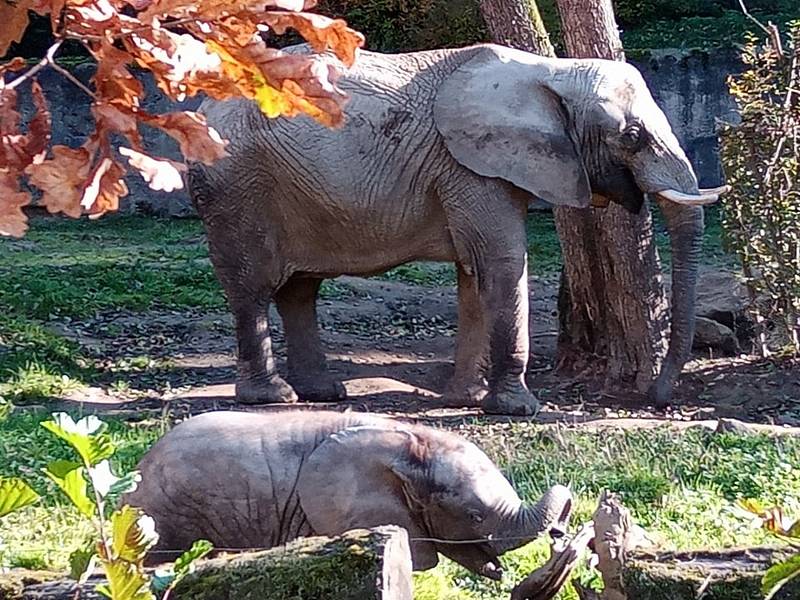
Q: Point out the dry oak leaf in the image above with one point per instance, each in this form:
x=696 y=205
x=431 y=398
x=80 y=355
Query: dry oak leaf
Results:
x=105 y=188
x=62 y=179
x=214 y=8
x=13 y=221
x=112 y=80
x=109 y=118
x=321 y=32
x=161 y=174
x=14 y=19
x=181 y=64
x=197 y=140
x=39 y=133
x=18 y=150
x=310 y=89
x=15 y=64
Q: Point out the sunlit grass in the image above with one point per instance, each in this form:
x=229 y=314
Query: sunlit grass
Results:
x=681 y=486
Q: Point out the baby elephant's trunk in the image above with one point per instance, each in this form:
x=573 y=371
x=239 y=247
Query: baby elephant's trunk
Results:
x=549 y=515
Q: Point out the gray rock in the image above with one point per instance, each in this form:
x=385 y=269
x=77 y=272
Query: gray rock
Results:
x=713 y=334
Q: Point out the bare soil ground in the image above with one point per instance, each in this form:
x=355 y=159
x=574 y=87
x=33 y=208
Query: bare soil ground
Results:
x=392 y=343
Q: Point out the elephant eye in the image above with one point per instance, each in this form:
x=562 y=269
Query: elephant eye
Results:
x=476 y=517
x=633 y=136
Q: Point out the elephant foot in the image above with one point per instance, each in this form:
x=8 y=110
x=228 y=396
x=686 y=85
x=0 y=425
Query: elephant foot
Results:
x=461 y=395
x=516 y=401
x=660 y=393
x=321 y=387
x=266 y=390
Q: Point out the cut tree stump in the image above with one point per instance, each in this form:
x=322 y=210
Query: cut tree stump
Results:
x=712 y=575
x=363 y=564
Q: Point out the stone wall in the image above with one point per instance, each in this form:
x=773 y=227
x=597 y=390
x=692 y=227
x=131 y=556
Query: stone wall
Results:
x=690 y=88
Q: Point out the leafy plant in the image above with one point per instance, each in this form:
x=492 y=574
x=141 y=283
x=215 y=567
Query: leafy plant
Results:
x=785 y=529
x=761 y=156
x=124 y=535
x=14 y=495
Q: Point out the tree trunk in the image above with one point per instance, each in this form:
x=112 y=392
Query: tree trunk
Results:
x=517 y=23
x=612 y=302
x=612 y=308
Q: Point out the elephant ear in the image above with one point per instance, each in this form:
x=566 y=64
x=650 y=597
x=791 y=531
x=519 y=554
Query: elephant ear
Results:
x=362 y=477
x=499 y=119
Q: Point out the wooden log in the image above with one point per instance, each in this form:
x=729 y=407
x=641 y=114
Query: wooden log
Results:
x=362 y=564
x=733 y=574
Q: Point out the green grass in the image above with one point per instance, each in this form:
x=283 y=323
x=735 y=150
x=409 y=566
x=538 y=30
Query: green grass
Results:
x=680 y=486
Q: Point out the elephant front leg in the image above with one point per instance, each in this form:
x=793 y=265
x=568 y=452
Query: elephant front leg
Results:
x=506 y=297
x=257 y=380
x=468 y=385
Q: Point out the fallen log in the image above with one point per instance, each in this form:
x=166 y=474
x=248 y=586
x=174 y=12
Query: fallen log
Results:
x=733 y=574
x=358 y=565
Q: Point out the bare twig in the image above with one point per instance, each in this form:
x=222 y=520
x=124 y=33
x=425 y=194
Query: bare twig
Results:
x=73 y=79
x=770 y=29
x=47 y=60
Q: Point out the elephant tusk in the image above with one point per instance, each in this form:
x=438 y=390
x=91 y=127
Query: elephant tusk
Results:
x=723 y=189
x=689 y=199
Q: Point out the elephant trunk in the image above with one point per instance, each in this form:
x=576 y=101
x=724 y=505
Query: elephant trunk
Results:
x=527 y=522
x=685 y=225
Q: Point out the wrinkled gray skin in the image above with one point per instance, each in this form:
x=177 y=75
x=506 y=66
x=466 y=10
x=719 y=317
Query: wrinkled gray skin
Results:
x=439 y=156
x=244 y=480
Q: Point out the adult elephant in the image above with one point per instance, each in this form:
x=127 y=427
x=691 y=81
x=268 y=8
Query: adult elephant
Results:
x=440 y=154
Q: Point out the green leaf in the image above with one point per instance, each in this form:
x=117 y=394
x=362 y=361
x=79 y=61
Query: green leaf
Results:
x=82 y=561
x=15 y=494
x=794 y=530
x=133 y=533
x=185 y=563
x=68 y=476
x=86 y=436
x=777 y=575
x=125 y=582
x=125 y=484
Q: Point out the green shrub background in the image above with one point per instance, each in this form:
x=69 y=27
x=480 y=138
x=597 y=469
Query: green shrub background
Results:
x=405 y=25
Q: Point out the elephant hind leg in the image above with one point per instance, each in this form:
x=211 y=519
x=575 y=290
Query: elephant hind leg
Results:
x=296 y=301
x=468 y=385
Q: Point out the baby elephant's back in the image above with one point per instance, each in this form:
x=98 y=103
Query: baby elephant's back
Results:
x=225 y=477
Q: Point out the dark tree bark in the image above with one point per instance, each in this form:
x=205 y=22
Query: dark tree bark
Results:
x=612 y=302
x=613 y=314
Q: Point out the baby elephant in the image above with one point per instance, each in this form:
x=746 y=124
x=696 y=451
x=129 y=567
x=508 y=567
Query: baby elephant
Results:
x=245 y=480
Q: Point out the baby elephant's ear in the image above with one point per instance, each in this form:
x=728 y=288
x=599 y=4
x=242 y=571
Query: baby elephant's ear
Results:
x=500 y=119
x=349 y=481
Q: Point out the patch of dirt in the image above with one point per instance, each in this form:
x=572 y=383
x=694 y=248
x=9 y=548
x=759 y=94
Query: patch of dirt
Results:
x=393 y=344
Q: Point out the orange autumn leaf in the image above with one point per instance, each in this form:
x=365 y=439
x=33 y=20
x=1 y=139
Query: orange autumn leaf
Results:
x=198 y=141
x=321 y=32
x=13 y=221
x=62 y=179
x=214 y=8
x=14 y=19
x=109 y=118
x=37 y=140
x=181 y=64
x=105 y=188
x=113 y=80
x=15 y=64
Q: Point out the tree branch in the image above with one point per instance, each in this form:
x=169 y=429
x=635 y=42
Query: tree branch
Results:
x=47 y=60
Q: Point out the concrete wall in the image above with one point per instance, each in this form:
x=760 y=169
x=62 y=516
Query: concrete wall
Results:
x=690 y=88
